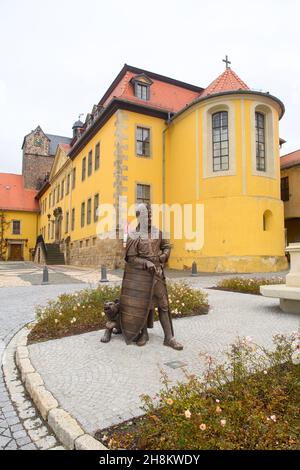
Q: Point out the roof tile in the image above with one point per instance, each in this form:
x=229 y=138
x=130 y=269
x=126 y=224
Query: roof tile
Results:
x=227 y=81
x=13 y=195
x=290 y=159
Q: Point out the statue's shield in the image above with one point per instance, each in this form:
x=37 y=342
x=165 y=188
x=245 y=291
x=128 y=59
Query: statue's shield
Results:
x=135 y=301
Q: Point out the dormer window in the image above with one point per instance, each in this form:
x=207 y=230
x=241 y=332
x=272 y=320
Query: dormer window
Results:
x=142 y=91
x=141 y=84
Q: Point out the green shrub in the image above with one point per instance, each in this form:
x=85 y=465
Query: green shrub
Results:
x=83 y=311
x=249 y=402
x=247 y=285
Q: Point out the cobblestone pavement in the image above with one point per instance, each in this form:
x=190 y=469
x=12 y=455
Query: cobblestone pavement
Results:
x=13 y=274
x=20 y=426
x=100 y=384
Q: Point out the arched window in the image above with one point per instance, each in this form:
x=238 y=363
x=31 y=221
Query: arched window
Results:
x=260 y=141
x=220 y=141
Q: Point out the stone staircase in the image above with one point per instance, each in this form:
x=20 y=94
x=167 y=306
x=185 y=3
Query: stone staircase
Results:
x=54 y=255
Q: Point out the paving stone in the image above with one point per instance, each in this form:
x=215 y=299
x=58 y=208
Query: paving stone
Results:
x=32 y=423
x=4 y=440
x=21 y=441
x=16 y=427
x=28 y=413
x=11 y=420
x=19 y=434
x=44 y=400
x=46 y=443
x=12 y=445
x=30 y=446
x=87 y=442
x=36 y=434
x=65 y=427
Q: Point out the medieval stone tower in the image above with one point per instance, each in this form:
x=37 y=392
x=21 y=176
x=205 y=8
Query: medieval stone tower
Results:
x=38 y=156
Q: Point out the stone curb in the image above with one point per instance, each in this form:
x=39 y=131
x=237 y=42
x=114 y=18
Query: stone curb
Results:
x=64 y=426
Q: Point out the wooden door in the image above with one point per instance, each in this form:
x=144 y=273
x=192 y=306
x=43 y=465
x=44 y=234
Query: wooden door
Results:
x=16 y=252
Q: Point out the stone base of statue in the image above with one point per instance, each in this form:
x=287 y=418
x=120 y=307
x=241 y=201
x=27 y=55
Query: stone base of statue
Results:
x=289 y=293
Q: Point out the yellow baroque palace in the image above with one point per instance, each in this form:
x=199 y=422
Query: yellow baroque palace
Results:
x=155 y=139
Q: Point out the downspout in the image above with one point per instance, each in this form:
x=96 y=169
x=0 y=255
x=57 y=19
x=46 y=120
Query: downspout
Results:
x=164 y=172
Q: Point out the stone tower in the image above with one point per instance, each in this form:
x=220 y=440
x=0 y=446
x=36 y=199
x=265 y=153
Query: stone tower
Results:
x=38 y=156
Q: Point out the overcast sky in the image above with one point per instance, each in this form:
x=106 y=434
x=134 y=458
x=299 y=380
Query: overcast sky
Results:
x=58 y=57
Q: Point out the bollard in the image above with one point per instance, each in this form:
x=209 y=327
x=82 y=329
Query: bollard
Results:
x=103 y=274
x=45 y=275
x=194 y=269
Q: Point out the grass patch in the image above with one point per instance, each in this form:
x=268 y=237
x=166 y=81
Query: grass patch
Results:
x=249 y=402
x=82 y=311
x=247 y=285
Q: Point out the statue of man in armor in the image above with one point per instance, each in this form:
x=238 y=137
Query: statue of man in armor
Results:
x=144 y=283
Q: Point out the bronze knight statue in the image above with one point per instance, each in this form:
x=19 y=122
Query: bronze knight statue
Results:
x=144 y=283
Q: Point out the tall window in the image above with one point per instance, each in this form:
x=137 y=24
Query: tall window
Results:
x=67 y=222
x=96 y=204
x=73 y=219
x=83 y=169
x=90 y=162
x=16 y=227
x=285 y=189
x=143 y=141
x=82 y=214
x=97 y=156
x=142 y=91
x=50 y=200
x=143 y=193
x=73 y=178
x=89 y=211
x=62 y=191
x=220 y=141
x=68 y=183
x=260 y=142
x=57 y=193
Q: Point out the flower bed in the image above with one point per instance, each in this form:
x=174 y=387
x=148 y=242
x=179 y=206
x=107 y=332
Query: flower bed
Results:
x=250 y=402
x=247 y=285
x=83 y=311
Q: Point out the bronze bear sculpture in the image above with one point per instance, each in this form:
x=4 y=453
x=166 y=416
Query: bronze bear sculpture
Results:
x=111 y=310
x=113 y=325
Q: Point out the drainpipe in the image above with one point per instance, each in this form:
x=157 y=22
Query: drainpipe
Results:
x=164 y=170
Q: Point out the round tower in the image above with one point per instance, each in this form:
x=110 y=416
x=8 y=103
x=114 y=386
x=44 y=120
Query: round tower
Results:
x=223 y=153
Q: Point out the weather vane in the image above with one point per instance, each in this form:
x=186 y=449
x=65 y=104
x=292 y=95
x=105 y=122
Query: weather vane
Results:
x=227 y=61
x=79 y=115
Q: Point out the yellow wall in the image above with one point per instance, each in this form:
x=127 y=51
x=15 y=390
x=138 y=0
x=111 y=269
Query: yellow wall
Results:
x=29 y=221
x=144 y=170
x=100 y=181
x=292 y=207
x=234 y=205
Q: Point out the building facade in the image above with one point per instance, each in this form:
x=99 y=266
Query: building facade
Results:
x=290 y=194
x=18 y=219
x=155 y=139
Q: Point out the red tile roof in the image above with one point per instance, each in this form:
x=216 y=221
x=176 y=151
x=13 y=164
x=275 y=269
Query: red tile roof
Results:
x=290 y=159
x=227 y=81
x=65 y=147
x=13 y=195
x=163 y=95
